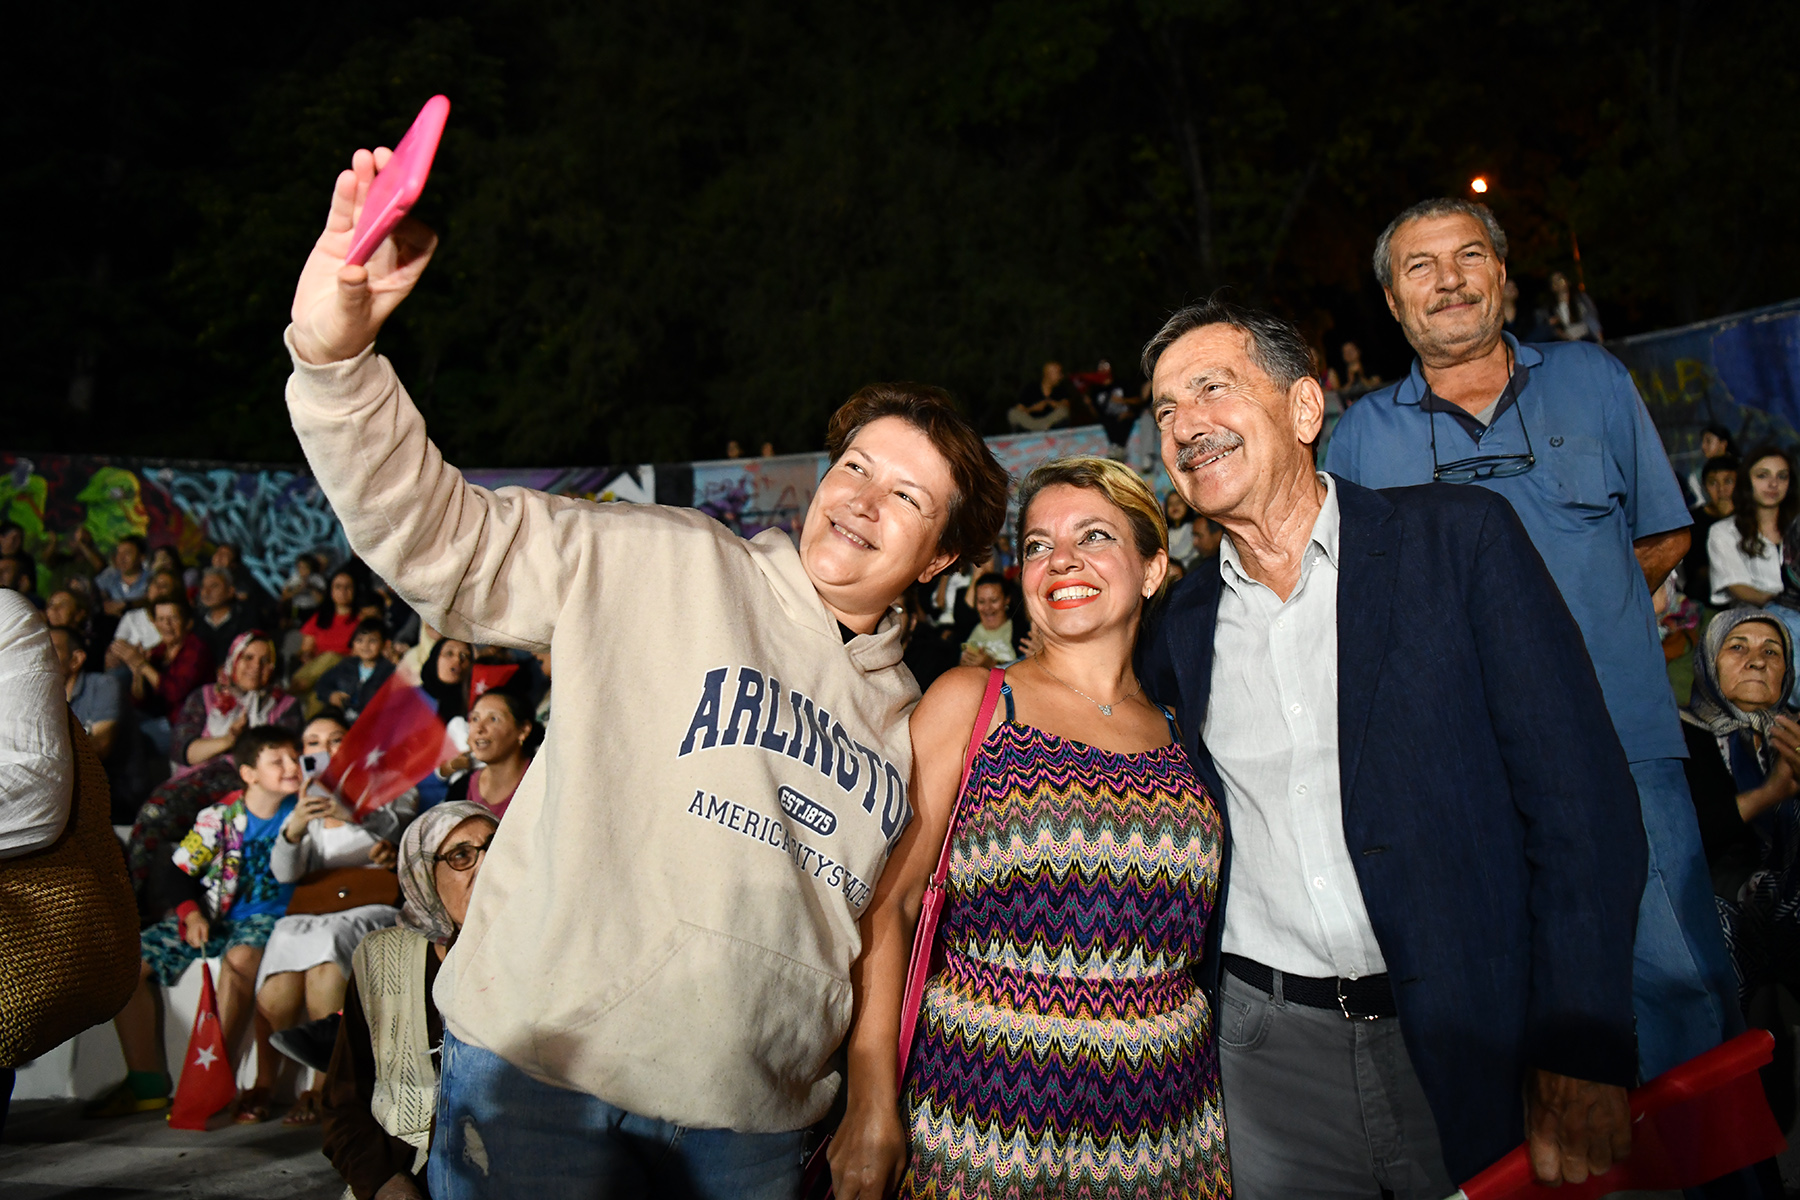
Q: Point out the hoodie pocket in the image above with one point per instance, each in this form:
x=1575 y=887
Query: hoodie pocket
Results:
x=718 y=1029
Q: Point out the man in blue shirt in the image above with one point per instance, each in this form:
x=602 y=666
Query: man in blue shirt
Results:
x=1559 y=431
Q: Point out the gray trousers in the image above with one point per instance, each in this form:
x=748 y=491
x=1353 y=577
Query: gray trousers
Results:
x=1317 y=1106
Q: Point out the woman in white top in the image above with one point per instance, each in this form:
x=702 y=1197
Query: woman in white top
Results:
x=1745 y=550
x=306 y=964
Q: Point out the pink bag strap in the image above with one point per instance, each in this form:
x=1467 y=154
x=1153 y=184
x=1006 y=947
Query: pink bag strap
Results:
x=925 y=936
x=989 y=701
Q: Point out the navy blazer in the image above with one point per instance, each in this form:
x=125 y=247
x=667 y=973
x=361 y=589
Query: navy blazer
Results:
x=1488 y=806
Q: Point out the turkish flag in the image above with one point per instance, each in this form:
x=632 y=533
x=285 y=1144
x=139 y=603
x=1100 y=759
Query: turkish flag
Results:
x=485 y=677
x=207 y=1082
x=396 y=741
x=1705 y=1118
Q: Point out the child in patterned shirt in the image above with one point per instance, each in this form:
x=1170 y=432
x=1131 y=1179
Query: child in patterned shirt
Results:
x=229 y=904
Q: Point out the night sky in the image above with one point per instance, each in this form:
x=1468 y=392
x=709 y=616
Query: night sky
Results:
x=669 y=224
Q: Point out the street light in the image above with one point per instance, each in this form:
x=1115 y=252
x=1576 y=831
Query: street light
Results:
x=1479 y=185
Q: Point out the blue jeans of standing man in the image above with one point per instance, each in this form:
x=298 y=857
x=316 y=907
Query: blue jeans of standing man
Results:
x=1683 y=989
x=501 y=1133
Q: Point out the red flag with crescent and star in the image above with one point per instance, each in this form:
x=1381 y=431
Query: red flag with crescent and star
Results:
x=207 y=1083
x=488 y=677
x=396 y=741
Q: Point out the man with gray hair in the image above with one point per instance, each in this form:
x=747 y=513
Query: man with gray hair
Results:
x=221 y=615
x=1559 y=430
x=1421 y=952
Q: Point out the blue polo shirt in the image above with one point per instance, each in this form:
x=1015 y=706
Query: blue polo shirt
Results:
x=1602 y=480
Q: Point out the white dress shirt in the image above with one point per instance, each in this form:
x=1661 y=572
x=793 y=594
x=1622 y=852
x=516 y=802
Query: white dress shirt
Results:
x=1272 y=727
x=37 y=764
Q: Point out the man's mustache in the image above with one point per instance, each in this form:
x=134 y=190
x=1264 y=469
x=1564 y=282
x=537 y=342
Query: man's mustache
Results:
x=1206 y=447
x=1448 y=301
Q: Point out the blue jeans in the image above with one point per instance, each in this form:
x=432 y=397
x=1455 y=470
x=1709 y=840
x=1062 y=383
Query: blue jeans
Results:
x=501 y=1133
x=1683 y=989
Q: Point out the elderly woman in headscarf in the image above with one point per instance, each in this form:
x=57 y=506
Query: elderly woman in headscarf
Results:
x=1742 y=766
x=381 y=1089
x=243 y=696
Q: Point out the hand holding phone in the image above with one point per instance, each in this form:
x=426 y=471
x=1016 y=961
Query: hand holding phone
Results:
x=340 y=305
x=401 y=181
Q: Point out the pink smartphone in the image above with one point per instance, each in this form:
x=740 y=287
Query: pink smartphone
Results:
x=398 y=185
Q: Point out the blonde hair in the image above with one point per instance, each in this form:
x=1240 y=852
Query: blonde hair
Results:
x=1122 y=487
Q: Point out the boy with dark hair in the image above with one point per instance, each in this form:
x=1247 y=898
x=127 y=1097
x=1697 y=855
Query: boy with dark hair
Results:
x=353 y=682
x=226 y=902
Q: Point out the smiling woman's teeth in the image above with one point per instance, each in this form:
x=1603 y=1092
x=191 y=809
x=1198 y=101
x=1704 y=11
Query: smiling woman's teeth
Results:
x=851 y=536
x=1074 y=593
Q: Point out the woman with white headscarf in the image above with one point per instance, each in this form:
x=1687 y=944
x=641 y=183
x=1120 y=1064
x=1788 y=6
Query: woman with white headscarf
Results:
x=381 y=1088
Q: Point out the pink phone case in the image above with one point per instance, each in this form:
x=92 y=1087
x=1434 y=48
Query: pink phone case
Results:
x=398 y=185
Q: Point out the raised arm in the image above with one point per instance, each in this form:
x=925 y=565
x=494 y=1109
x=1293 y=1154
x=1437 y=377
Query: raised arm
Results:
x=868 y=1155
x=488 y=566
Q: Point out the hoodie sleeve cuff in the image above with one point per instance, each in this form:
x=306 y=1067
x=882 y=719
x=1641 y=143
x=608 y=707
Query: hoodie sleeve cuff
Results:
x=345 y=380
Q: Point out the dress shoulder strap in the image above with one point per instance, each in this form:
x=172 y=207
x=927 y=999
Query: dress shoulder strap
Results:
x=1174 y=729
x=1007 y=695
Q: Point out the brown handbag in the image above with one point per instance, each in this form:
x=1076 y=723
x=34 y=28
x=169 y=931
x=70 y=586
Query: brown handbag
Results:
x=69 y=949
x=336 y=889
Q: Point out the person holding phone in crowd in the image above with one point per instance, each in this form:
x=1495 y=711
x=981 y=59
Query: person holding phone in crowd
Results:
x=766 y=755
x=307 y=960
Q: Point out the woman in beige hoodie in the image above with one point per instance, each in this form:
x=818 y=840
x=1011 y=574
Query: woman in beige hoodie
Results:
x=655 y=967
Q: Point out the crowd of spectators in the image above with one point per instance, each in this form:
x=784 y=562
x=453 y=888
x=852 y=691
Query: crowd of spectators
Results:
x=215 y=706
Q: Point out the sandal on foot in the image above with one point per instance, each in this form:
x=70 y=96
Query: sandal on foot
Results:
x=305 y=1110
x=252 y=1106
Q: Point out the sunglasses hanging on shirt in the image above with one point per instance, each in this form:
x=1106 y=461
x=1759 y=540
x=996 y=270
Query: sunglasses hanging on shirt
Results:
x=1485 y=466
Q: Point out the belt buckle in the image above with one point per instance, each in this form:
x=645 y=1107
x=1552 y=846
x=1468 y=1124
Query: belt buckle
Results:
x=1344 y=1005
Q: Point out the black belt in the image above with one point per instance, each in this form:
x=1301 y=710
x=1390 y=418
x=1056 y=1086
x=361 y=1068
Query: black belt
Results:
x=1365 y=999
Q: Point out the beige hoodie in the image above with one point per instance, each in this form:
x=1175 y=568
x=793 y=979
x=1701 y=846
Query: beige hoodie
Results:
x=668 y=914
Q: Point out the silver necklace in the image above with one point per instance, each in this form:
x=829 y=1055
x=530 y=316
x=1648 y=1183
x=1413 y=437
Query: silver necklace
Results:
x=1105 y=709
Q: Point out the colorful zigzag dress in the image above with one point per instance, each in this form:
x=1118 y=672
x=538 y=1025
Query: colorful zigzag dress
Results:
x=1064 y=1050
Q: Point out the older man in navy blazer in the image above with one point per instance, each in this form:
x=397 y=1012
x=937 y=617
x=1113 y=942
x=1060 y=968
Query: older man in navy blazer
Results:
x=1423 y=947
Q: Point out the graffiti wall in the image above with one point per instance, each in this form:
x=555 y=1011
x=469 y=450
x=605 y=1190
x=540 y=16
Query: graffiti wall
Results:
x=754 y=494
x=1740 y=371
x=273 y=515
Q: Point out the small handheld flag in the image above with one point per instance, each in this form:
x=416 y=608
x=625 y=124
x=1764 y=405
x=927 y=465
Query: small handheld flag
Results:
x=396 y=741
x=207 y=1083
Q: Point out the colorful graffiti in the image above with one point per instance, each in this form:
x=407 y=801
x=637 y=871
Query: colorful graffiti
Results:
x=272 y=517
x=754 y=494
x=53 y=496
x=1741 y=371
x=275 y=514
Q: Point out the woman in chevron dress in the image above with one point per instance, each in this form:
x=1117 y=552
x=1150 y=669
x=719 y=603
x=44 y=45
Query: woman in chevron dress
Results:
x=1063 y=1048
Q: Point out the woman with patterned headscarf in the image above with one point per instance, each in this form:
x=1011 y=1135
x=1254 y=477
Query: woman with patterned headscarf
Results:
x=243 y=695
x=381 y=1089
x=1743 y=762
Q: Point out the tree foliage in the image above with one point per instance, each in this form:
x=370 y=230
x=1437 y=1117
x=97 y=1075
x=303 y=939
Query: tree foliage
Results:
x=670 y=223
